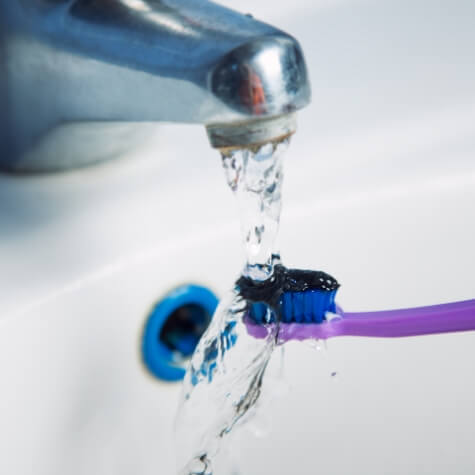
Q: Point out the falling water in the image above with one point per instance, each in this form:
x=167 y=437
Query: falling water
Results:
x=225 y=376
x=256 y=180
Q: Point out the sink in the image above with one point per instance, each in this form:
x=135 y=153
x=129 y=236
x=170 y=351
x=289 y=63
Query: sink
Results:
x=379 y=191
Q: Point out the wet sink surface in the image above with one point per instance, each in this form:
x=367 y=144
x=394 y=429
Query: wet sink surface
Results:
x=379 y=191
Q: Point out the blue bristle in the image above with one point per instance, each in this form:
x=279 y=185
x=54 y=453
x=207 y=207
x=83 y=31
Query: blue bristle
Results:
x=287 y=307
x=318 y=306
x=332 y=305
x=327 y=302
x=308 y=306
x=259 y=311
x=300 y=307
x=316 y=298
x=298 y=301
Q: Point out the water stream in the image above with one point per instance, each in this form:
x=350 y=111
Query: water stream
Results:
x=224 y=380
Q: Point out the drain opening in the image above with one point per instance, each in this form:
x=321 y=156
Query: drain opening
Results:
x=174 y=328
x=183 y=329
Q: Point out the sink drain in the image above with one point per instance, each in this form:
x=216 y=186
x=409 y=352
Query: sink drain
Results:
x=174 y=328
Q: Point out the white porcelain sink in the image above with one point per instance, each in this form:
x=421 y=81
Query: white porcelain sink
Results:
x=379 y=192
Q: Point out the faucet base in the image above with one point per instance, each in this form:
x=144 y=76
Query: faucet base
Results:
x=80 y=144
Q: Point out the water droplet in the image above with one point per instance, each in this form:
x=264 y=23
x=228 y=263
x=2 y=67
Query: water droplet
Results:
x=315 y=344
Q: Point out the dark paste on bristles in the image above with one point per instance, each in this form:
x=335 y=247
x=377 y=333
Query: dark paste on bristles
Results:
x=284 y=280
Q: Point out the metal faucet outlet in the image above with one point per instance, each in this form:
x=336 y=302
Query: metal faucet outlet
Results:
x=78 y=77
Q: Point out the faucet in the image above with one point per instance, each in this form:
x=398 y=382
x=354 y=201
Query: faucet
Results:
x=80 y=80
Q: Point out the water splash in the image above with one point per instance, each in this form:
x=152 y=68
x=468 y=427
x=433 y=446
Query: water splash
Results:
x=224 y=380
x=222 y=385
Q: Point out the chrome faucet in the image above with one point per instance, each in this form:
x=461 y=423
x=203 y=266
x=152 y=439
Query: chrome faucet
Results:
x=80 y=79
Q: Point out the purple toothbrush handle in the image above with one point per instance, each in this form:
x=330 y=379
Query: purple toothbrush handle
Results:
x=445 y=318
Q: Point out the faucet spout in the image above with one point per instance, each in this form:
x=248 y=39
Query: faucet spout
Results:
x=71 y=69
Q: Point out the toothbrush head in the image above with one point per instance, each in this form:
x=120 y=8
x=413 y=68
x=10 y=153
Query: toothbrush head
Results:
x=304 y=297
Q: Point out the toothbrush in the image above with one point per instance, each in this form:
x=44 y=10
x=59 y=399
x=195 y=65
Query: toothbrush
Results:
x=307 y=309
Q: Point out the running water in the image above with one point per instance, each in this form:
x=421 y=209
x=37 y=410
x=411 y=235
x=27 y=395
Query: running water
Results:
x=256 y=180
x=224 y=380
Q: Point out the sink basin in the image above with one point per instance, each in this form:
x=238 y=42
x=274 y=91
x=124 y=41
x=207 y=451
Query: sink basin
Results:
x=379 y=191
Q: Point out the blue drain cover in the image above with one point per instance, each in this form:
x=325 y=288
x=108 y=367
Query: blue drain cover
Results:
x=174 y=328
